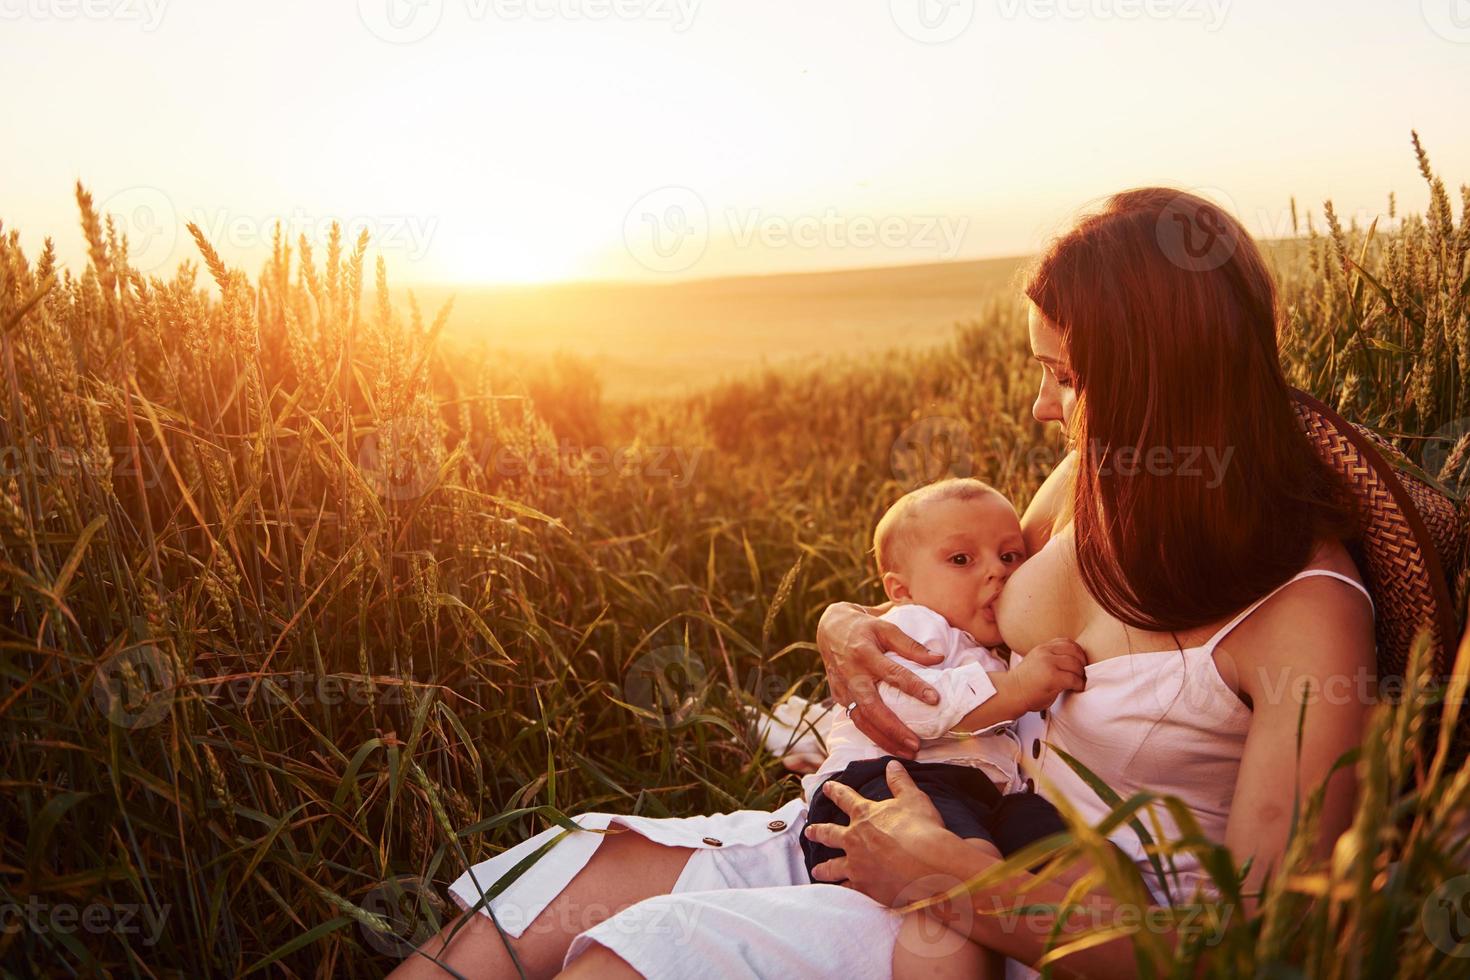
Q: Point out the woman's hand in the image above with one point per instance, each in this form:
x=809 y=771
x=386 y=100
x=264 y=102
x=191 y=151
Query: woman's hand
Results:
x=853 y=643
x=890 y=844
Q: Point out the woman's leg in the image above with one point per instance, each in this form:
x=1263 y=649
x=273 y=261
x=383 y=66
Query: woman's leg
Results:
x=929 y=949
x=599 y=963
x=625 y=869
x=925 y=952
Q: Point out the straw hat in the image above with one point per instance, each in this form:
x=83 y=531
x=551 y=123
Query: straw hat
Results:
x=1412 y=542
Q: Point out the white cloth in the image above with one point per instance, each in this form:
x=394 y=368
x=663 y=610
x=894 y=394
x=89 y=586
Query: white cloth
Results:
x=730 y=935
x=744 y=849
x=963 y=682
x=795 y=731
x=742 y=907
x=1161 y=721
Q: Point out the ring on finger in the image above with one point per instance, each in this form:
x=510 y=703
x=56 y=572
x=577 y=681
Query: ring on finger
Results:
x=852 y=706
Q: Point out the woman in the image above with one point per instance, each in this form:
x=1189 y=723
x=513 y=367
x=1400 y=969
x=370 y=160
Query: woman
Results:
x=1206 y=593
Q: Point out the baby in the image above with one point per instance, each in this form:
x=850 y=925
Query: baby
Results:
x=944 y=552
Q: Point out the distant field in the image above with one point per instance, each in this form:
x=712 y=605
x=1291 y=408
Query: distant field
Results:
x=674 y=338
x=652 y=339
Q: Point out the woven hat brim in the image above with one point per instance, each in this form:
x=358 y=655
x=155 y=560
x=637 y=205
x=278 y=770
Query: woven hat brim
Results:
x=1397 y=557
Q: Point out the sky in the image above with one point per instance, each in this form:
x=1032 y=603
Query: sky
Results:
x=518 y=141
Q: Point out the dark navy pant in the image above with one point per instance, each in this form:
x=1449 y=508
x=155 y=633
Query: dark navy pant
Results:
x=967 y=801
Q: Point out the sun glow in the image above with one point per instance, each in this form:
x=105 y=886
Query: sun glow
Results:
x=519 y=141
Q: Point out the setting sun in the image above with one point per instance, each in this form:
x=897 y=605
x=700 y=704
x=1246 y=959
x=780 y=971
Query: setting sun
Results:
x=487 y=141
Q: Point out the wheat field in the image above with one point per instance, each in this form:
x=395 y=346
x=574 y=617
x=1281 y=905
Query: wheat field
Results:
x=311 y=602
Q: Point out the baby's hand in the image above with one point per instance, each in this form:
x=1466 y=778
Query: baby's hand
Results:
x=1048 y=670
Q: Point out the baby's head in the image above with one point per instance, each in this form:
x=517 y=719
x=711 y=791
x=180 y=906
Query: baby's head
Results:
x=951 y=546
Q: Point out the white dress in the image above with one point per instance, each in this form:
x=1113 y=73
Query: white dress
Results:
x=962 y=680
x=744 y=907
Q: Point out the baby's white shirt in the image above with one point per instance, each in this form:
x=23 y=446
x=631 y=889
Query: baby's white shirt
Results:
x=963 y=684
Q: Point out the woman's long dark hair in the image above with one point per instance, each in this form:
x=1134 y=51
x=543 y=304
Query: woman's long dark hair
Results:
x=1168 y=314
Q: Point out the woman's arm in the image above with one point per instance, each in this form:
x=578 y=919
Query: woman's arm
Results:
x=1316 y=635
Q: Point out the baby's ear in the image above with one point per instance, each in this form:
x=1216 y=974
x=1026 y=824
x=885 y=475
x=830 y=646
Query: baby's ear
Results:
x=894 y=587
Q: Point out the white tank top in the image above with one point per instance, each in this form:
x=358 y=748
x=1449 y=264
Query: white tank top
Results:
x=1162 y=721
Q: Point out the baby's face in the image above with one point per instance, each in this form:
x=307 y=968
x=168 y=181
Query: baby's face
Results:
x=959 y=554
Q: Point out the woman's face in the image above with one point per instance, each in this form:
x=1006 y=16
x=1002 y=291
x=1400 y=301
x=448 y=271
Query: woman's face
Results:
x=1057 y=399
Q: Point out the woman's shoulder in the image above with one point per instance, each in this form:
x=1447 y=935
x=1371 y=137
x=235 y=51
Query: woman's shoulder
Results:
x=1333 y=556
x=1048 y=510
x=1319 y=618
